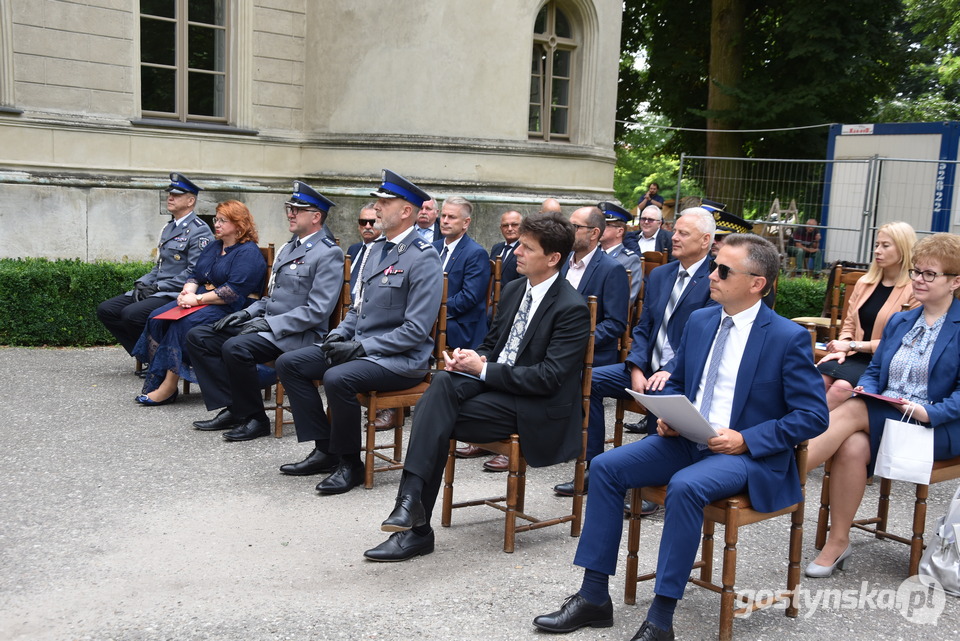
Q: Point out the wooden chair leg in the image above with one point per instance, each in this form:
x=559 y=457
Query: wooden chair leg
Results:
x=397 y=433
x=883 y=507
x=513 y=497
x=186 y=387
x=795 y=556
x=919 y=525
x=448 y=473
x=823 y=516
x=278 y=412
x=706 y=552
x=633 y=546
x=618 y=424
x=729 y=574
x=369 y=458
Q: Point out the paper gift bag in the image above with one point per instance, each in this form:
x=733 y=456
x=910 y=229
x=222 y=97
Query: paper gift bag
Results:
x=906 y=452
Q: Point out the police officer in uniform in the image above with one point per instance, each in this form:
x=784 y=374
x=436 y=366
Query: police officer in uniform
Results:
x=383 y=344
x=181 y=242
x=611 y=241
x=306 y=282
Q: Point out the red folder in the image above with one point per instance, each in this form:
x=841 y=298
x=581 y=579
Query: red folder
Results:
x=177 y=313
x=888 y=399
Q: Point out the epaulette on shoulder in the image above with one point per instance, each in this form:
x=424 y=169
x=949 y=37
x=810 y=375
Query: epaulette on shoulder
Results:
x=328 y=242
x=421 y=244
x=196 y=222
x=628 y=252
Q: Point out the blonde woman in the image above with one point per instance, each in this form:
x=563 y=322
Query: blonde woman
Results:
x=882 y=292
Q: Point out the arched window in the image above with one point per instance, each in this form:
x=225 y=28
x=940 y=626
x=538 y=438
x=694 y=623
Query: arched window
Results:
x=551 y=76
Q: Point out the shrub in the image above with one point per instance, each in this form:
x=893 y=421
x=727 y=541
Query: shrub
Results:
x=801 y=296
x=45 y=302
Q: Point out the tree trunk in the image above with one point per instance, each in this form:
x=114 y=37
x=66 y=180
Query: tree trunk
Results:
x=726 y=71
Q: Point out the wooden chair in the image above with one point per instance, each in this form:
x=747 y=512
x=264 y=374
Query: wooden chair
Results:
x=512 y=504
x=340 y=310
x=399 y=400
x=827 y=327
x=947 y=470
x=732 y=513
x=652 y=260
x=494 y=286
x=268 y=254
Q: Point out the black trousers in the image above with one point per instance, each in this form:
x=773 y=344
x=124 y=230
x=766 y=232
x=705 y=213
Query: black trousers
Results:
x=341 y=435
x=454 y=407
x=126 y=319
x=226 y=367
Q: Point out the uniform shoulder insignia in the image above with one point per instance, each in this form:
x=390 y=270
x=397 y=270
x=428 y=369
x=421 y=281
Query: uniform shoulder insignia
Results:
x=628 y=252
x=421 y=244
x=328 y=242
x=203 y=242
x=196 y=222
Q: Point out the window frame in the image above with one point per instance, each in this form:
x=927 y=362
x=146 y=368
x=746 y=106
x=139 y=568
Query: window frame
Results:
x=545 y=45
x=182 y=70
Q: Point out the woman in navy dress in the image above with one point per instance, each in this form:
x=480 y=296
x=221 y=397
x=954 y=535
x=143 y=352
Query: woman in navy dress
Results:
x=228 y=276
x=918 y=362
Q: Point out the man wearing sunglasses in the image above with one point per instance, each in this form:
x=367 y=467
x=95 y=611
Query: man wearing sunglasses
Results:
x=651 y=237
x=369 y=232
x=749 y=373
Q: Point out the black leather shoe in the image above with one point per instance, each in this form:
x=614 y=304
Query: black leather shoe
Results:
x=575 y=613
x=566 y=489
x=408 y=513
x=650 y=632
x=222 y=421
x=248 y=430
x=640 y=427
x=348 y=475
x=317 y=462
x=401 y=546
x=648 y=507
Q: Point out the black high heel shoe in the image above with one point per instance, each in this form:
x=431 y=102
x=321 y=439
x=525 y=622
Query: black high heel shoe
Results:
x=143 y=399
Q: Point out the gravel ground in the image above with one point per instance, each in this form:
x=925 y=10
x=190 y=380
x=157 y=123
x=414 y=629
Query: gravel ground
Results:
x=122 y=522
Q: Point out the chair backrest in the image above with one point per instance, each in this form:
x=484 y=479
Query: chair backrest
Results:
x=343 y=301
x=494 y=286
x=840 y=298
x=652 y=260
x=587 y=376
x=268 y=254
x=440 y=326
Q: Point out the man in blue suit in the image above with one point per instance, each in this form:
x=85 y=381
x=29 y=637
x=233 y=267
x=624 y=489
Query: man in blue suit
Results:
x=750 y=374
x=658 y=332
x=369 y=232
x=468 y=273
x=651 y=237
x=510 y=228
x=594 y=273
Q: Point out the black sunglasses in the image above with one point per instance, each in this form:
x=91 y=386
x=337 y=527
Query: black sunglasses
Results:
x=363 y=222
x=723 y=271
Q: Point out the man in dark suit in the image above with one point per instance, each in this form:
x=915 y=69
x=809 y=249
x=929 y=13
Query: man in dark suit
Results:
x=528 y=367
x=305 y=286
x=510 y=228
x=683 y=286
x=428 y=223
x=651 y=237
x=369 y=232
x=755 y=382
x=594 y=273
x=468 y=273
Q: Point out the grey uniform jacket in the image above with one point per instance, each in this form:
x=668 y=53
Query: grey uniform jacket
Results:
x=630 y=260
x=398 y=305
x=177 y=253
x=305 y=288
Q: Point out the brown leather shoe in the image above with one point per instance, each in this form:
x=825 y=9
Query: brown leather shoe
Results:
x=384 y=420
x=471 y=451
x=499 y=463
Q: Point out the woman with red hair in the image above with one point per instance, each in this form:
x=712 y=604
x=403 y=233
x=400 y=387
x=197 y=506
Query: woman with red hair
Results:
x=228 y=276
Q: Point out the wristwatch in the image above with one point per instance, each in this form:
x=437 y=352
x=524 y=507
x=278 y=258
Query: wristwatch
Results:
x=855 y=346
x=200 y=298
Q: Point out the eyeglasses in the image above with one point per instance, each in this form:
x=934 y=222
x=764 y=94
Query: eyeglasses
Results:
x=220 y=221
x=366 y=222
x=723 y=271
x=290 y=209
x=579 y=227
x=647 y=219
x=928 y=275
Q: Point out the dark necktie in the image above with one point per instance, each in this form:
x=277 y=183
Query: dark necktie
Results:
x=296 y=243
x=387 y=246
x=357 y=262
x=443 y=256
x=512 y=347
x=507 y=250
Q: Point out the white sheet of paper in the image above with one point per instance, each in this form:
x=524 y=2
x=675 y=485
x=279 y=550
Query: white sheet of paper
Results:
x=678 y=412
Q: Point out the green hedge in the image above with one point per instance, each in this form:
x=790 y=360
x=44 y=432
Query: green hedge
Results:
x=54 y=303
x=802 y=296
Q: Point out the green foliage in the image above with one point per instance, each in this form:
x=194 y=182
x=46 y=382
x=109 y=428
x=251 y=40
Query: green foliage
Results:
x=801 y=296
x=804 y=63
x=46 y=302
x=640 y=161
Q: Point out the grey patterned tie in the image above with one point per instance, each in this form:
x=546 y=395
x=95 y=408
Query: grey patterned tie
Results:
x=711 y=381
x=509 y=354
x=667 y=313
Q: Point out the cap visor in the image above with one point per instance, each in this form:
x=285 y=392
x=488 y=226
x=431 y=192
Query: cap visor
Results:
x=383 y=194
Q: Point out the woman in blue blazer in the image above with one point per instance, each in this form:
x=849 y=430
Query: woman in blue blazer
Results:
x=917 y=361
